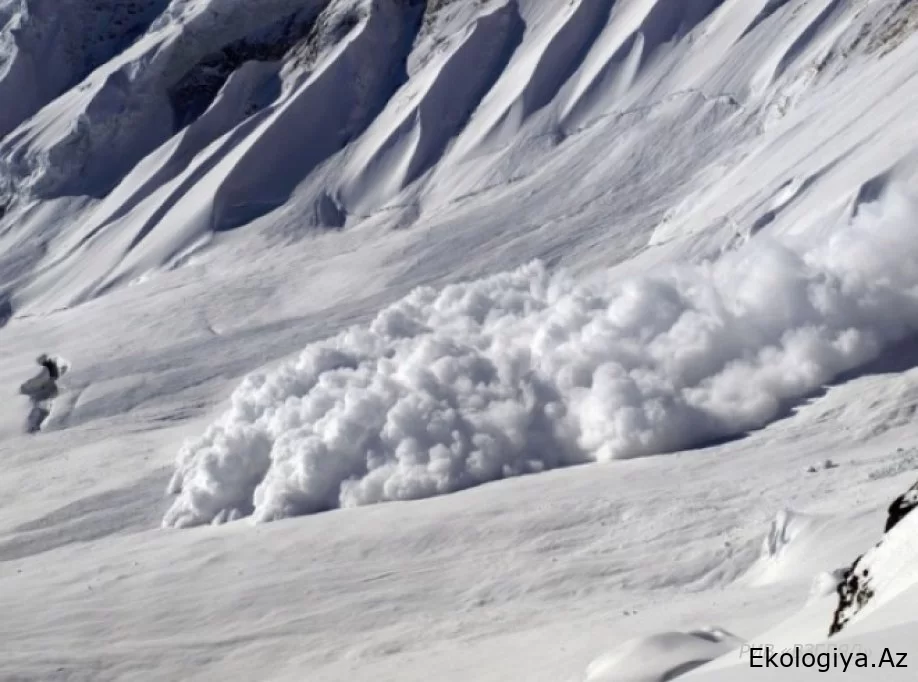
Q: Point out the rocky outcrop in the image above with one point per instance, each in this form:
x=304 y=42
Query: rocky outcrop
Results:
x=881 y=569
x=901 y=506
x=196 y=90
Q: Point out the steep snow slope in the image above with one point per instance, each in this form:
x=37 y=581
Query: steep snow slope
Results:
x=47 y=48
x=871 y=635
x=658 y=92
x=721 y=194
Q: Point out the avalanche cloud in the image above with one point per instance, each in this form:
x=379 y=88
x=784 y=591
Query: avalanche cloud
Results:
x=528 y=370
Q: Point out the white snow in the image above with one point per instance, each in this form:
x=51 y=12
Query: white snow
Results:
x=878 y=629
x=357 y=251
x=527 y=371
x=661 y=657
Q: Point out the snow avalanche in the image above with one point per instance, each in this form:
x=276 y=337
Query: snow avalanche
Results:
x=529 y=370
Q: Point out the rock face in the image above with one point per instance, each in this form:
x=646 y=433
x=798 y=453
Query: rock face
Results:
x=901 y=506
x=198 y=88
x=854 y=592
x=881 y=570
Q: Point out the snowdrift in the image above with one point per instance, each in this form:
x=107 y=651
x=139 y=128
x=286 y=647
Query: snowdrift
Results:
x=528 y=371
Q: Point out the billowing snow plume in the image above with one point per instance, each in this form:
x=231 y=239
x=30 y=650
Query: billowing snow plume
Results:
x=526 y=371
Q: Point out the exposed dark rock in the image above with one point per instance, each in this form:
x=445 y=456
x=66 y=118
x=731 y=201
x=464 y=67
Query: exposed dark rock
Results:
x=854 y=592
x=195 y=91
x=6 y=310
x=901 y=506
x=855 y=589
x=108 y=27
x=329 y=213
x=327 y=30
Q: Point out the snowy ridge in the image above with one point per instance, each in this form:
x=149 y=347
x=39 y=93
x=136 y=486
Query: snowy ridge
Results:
x=625 y=56
x=198 y=105
x=430 y=110
x=259 y=175
x=534 y=79
x=124 y=104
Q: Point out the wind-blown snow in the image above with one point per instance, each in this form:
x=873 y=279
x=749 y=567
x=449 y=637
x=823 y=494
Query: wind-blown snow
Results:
x=528 y=370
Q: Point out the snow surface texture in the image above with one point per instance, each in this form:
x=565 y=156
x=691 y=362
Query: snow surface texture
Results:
x=529 y=371
x=661 y=657
x=787 y=542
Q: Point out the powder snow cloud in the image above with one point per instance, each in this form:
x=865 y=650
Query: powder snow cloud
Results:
x=530 y=370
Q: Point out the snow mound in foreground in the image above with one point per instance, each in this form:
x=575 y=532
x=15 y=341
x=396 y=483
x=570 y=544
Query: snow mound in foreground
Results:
x=526 y=371
x=661 y=657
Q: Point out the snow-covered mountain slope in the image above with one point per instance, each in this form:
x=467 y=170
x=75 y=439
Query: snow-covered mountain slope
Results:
x=873 y=627
x=288 y=248
x=393 y=114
